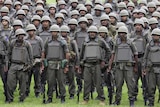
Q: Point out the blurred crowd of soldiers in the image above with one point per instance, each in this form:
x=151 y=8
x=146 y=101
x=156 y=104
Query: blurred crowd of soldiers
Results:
x=98 y=43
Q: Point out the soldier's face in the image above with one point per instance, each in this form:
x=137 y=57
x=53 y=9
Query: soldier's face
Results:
x=64 y=34
x=97 y=12
x=151 y=9
x=141 y=15
x=112 y=19
x=92 y=35
x=75 y=16
x=82 y=13
x=62 y=6
x=90 y=21
x=124 y=18
x=52 y=10
x=122 y=35
x=20 y=37
x=16 y=27
x=21 y=16
x=36 y=22
x=74 y=5
x=138 y=27
x=17 y=7
x=45 y=23
x=59 y=20
x=54 y=34
x=83 y=25
x=107 y=10
x=72 y=27
x=39 y=12
x=153 y=26
x=104 y=22
x=88 y=7
x=31 y=32
x=156 y=37
x=4 y=14
x=4 y=22
x=102 y=34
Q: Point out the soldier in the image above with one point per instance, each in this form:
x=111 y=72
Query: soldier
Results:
x=59 y=19
x=38 y=49
x=125 y=57
x=73 y=5
x=52 y=11
x=73 y=61
x=9 y=3
x=108 y=8
x=98 y=12
x=89 y=6
x=36 y=20
x=39 y=10
x=91 y=60
x=4 y=44
x=54 y=59
x=82 y=11
x=4 y=12
x=105 y=21
x=21 y=57
x=72 y=24
x=151 y=8
x=28 y=14
x=151 y=65
x=124 y=17
x=44 y=30
x=5 y=27
x=140 y=39
x=17 y=24
x=90 y=19
x=153 y=23
x=21 y=15
x=74 y=14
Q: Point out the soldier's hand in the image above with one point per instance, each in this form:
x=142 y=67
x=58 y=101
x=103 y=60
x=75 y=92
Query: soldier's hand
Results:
x=66 y=69
x=135 y=69
x=103 y=64
x=144 y=72
x=5 y=68
x=109 y=69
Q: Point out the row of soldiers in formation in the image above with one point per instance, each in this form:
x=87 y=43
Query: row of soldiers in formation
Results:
x=87 y=37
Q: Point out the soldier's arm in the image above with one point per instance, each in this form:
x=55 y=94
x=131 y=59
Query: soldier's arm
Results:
x=105 y=46
x=42 y=48
x=76 y=51
x=30 y=52
x=145 y=57
x=135 y=52
x=66 y=50
x=112 y=57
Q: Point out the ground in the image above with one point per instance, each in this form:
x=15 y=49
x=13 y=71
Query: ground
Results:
x=32 y=101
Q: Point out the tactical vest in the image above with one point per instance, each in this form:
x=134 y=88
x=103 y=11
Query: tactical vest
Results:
x=154 y=54
x=92 y=51
x=140 y=45
x=20 y=54
x=44 y=35
x=124 y=53
x=54 y=51
x=80 y=39
x=36 y=48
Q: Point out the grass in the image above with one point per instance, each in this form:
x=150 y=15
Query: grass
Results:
x=32 y=101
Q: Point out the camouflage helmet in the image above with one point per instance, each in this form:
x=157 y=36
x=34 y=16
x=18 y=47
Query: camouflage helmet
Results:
x=89 y=16
x=82 y=19
x=36 y=17
x=108 y=5
x=30 y=27
x=103 y=29
x=79 y=5
x=6 y=2
x=123 y=29
x=20 y=32
x=145 y=20
x=61 y=2
x=151 y=5
x=124 y=13
x=98 y=2
x=139 y=21
x=52 y=6
x=6 y=18
x=155 y=31
x=63 y=11
x=25 y=7
x=46 y=18
x=74 y=12
x=73 y=22
x=64 y=28
x=130 y=4
x=17 y=23
x=39 y=8
x=88 y=3
x=74 y=1
x=122 y=5
x=92 y=29
x=54 y=28
x=59 y=15
x=142 y=11
x=17 y=3
x=27 y=2
x=98 y=7
x=153 y=21
x=20 y=12
x=156 y=14
x=83 y=9
x=4 y=9
x=143 y=2
x=119 y=24
x=39 y=2
x=112 y=14
x=104 y=17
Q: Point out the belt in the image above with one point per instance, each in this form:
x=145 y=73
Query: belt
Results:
x=20 y=63
x=156 y=65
